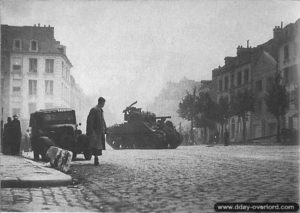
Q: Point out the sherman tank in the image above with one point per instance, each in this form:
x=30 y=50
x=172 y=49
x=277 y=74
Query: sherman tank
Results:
x=143 y=130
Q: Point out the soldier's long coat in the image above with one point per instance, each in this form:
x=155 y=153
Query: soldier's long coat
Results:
x=96 y=128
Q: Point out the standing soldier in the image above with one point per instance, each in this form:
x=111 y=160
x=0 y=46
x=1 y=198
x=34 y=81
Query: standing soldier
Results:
x=96 y=130
x=226 y=138
x=7 y=136
x=16 y=135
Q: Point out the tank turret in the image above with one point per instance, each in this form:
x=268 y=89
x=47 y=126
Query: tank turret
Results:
x=143 y=130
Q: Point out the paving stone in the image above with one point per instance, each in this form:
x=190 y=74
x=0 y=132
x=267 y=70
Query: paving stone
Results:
x=187 y=179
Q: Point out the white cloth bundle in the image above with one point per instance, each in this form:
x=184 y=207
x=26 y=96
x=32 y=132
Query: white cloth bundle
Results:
x=60 y=159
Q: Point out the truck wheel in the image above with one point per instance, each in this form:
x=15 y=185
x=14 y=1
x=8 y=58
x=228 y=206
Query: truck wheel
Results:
x=74 y=156
x=87 y=155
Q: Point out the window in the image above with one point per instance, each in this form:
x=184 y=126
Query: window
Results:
x=239 y=78
x=286 y=72
x=246 y=76
x=232 y=80
x=17 y=45
x=286 y=52
x=31 y=107
x=49 y=65
x=48 y=87
x=62 y=68
x=32 y=87
x=16 y=64
x=16 y=89
x=33 y=45
x=4 y=43
x=16 y=68
x=258 y=86
x=33 y=65
x=226 y=82
x=220 y=85
x=16 y=86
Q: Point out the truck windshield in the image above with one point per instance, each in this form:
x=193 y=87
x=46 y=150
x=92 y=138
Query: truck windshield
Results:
x=58 y=118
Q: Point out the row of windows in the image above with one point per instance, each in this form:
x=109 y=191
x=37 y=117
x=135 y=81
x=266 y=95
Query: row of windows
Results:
x=232 y=80
x=32 y=87
x=33 y=65
x=17 y=45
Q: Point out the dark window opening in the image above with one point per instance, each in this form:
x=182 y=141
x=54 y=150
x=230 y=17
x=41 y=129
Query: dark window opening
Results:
x=246 y=76
x=33 y=45
x=226 y=82
x=286 y=52
x=239 y=78
x=32 y=65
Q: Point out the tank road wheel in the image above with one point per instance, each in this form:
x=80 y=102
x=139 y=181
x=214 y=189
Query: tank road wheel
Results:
x=87 y=155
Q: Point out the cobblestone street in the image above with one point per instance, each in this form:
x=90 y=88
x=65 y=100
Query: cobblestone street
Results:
x=187 y=179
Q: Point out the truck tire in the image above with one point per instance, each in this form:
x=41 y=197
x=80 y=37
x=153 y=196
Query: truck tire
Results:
x=87 y=155
x=74 y=156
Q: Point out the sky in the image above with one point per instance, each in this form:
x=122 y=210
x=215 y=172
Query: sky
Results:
x=126 y=50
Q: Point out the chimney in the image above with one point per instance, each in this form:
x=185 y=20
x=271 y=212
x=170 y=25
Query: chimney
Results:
x=276 y=32
x=281 y=25
x=247 y=43
x=38 y=24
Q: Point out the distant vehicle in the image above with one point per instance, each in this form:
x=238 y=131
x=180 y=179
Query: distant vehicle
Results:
x=143 y=130
x=58 y=124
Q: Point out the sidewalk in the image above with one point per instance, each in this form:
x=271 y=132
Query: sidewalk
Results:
x=18 y=171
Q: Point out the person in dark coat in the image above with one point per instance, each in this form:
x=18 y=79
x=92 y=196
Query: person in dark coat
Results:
x=16 y=136
x=226 y=138
x=7 y=137
x=96 y=130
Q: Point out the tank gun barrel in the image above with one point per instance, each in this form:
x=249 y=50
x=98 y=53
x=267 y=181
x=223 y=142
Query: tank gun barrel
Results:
x=126 y=109
x=163 y=117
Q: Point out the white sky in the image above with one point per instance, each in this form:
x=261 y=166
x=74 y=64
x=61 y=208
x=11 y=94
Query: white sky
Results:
x=128 y=50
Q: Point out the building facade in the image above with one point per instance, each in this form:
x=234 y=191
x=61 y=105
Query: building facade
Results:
x=35 y=72
x=289 y=61
x=253 y=69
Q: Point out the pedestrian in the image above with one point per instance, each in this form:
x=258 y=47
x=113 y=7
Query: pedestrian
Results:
x=96 y=130
x=16 y=135
x=226 y=138
x=7 y=137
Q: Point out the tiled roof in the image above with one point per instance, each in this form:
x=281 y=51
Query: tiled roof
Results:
x=44 y=35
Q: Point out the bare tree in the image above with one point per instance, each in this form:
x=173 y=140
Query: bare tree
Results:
x=241 y=104
x=277 y=100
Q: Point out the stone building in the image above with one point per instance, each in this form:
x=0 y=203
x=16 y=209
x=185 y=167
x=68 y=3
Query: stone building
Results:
x=35 y=72
x=289 y=61
x=253 y=68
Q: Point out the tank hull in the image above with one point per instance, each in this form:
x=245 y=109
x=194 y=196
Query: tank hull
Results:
x=142 y=135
